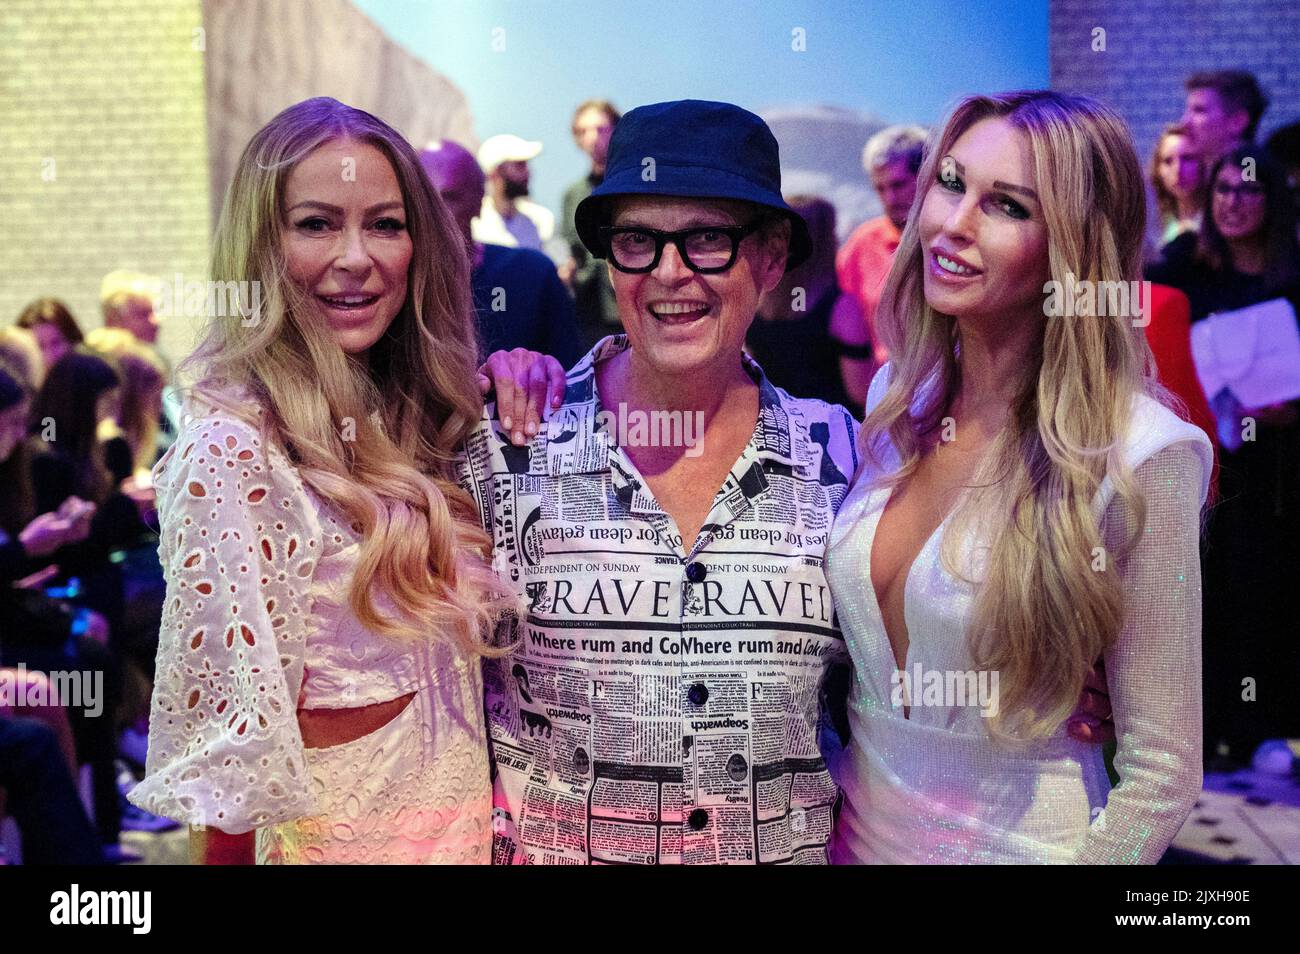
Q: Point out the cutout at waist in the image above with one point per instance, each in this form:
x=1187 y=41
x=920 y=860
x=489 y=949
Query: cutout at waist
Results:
x=322 y=728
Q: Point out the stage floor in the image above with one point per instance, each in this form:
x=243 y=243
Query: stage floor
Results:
x=1242 y=818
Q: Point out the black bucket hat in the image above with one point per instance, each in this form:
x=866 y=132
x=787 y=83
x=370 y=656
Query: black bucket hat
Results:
x=696 y=149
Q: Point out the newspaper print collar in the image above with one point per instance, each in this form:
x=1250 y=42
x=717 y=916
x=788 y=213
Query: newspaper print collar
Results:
x=780 y=436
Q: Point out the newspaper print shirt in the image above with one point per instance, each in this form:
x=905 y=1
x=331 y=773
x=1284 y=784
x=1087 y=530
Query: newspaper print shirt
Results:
x=663 y=706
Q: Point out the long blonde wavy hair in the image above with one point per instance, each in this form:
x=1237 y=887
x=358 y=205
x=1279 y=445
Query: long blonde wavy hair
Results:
x=378 y=443
x=1043 y=615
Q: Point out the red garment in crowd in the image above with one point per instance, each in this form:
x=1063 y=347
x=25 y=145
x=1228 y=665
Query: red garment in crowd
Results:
x=861 y=266
x=1170 y=336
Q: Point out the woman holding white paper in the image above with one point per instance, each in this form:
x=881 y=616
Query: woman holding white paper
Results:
x=1241 y=274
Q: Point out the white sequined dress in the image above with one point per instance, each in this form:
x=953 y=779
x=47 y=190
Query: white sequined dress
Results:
x=935 y=787
x=257 y=625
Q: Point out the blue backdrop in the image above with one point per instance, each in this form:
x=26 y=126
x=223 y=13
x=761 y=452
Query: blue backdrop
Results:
x=525 y=64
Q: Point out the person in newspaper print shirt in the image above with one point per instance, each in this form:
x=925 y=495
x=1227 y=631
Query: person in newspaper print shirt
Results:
x=664 y=703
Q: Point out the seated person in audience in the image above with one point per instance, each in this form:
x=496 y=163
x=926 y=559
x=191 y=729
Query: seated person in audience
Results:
x=139 y=413
x=40 y=794
x=56 y=330
x=82 y=392
x=21 y=354
x=27 y=535
x=1246 y=251
x=66 y=459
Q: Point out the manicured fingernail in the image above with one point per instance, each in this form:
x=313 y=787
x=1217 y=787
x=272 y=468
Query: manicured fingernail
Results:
x=519 y=437
x=531 y=428
x=505 y=422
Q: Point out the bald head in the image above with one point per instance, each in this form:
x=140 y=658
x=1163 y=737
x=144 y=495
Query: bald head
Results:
x=455 y=173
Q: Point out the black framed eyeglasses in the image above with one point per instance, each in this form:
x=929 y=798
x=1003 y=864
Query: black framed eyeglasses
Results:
x=1246 y=191
x=708 y=248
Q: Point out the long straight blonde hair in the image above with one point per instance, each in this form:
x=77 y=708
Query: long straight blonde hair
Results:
x=1045 y=611
x=378 y=442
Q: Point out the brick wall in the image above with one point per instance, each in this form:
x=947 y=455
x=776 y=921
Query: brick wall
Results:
x=264 y=55
x=1152 y=45
x=121 y=120
x=103 y=149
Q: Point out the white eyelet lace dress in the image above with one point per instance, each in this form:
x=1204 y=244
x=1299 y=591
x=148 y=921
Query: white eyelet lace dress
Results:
x=935 y=787
x=256 y=626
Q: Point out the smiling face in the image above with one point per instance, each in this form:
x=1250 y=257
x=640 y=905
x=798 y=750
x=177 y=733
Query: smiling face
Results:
x=682 y=322
x=982 y=231
x=345 y=242
x=1238 y=206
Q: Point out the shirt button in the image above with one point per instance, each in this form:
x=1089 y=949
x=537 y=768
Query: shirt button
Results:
x=696 y=572
x=698 y=694
x=697 y=819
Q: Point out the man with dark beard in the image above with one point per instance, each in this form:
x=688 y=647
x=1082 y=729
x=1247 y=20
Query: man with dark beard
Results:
x=508 y=216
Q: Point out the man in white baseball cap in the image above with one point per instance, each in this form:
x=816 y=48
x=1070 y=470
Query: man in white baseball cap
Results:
x=508 y=216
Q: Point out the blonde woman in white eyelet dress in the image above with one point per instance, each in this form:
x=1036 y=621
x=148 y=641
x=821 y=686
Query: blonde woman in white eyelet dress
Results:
x=1029 y=506
x=258 y=626
x=327 y=583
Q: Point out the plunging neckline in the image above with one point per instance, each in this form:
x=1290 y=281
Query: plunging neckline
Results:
x=907 y=581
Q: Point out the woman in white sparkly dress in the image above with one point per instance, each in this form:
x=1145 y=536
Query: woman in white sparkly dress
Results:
x=327 y=582
x=1029 y=506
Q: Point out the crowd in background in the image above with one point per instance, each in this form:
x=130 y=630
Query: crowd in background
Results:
x=83 y=424
x=85 y=415
x=1225 y=241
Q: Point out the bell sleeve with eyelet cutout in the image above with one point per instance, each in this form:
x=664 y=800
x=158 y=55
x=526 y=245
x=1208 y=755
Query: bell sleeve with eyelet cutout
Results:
x=239 y=544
